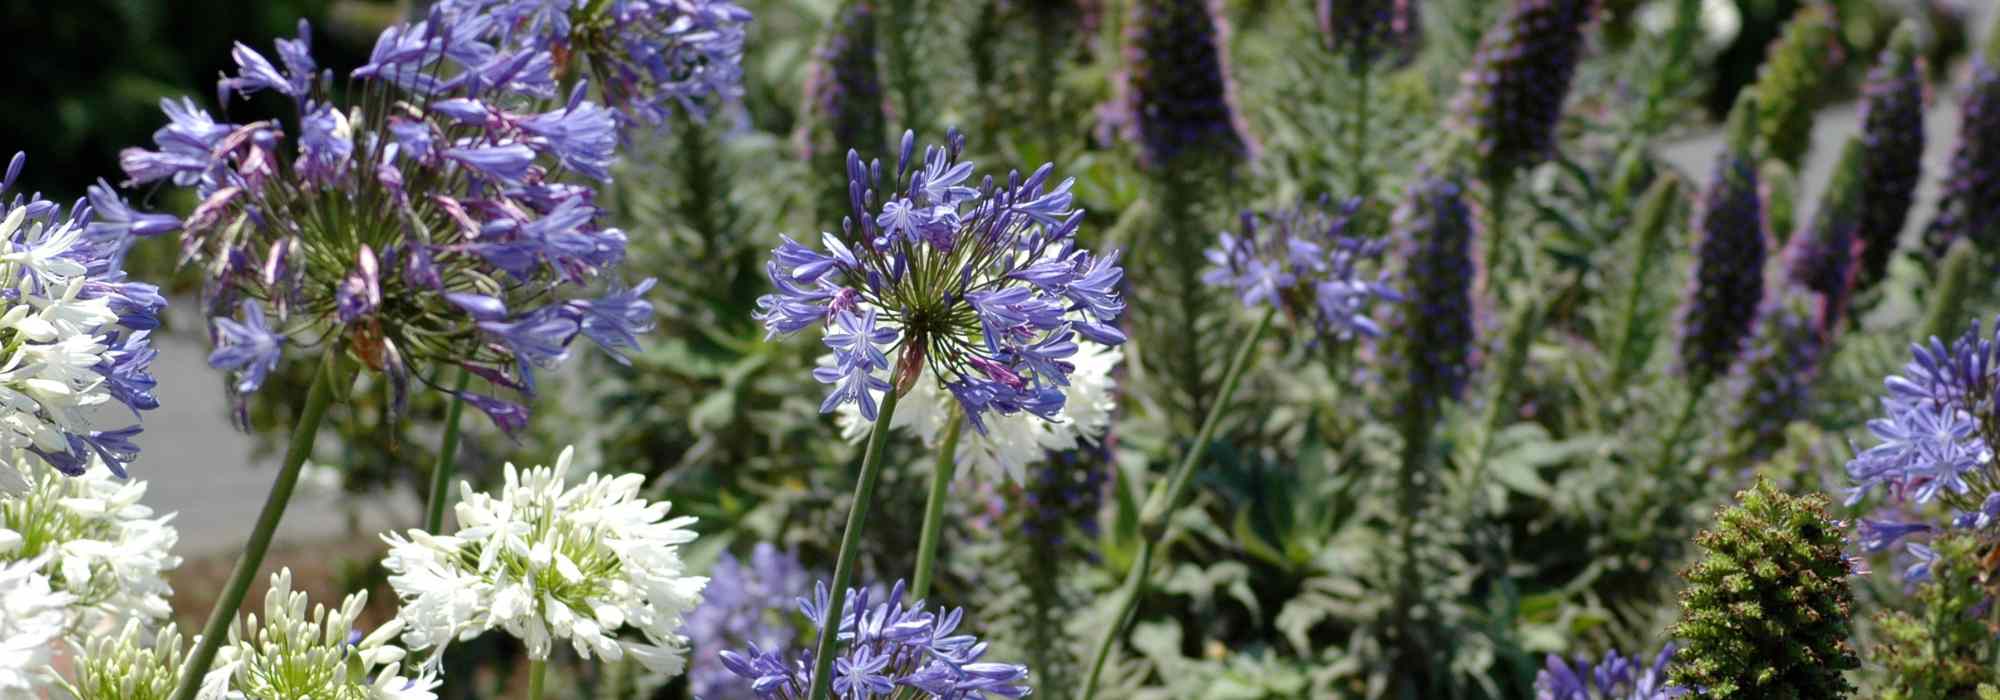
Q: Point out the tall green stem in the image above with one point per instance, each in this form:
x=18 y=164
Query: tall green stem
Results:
x=447 y=457
x=219 y=619
x=941 y=475
x=538 y=672
x=1164 y=498
x=850 y=546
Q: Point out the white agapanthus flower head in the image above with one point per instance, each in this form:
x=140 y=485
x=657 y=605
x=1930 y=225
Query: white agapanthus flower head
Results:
x=1011 y=442
x=102 y=546
x=124 y=667
x=293 y=654
x=546 y=562
x=33 y=616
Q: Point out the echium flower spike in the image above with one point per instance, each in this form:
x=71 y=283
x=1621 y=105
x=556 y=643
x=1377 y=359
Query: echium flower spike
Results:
x=78 y=356
x=1892 y=132
x=845 y=107
x=1366 y=30
x=1512 y=95
x=1825 y=257
x=1728 y=279
x=1304 y=262
x=1178 y=101
x=1616 y=677
x=1765 y=613
x=985 y=287
x=887 y=646
x=1772 y=383
x=1970 y=207
x=446 y=217
x=1791 y=80
x=1435 y=325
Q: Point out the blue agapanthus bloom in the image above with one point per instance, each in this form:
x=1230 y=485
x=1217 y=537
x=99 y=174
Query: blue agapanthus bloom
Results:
x=1303 y=262
x=887 y=646
x=1615 y=678
x=986 y=285
x=1935 y=441
x=75 y=330
x=439 y=211
x=746 y=603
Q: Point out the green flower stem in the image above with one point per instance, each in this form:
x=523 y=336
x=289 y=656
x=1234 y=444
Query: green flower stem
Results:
x=538 y=672
x=318 y=398
x=941 y=476
x=1160 y=505
x=850 y=546
x=447 y=458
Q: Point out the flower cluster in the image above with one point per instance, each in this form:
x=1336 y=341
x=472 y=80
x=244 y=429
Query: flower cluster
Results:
x=1824 y=257
x=290 y=654
x=886 y=647
x=747 y=604
x=1435 y=326
x=844 y=88
x=1303 y=262
x=1615 y=678
x=75 y=331
x=1772 y=384
x=1512 y=95
x=1728 y=280
x=1970 y=207
x=435 y=222
x=1892 y=132
x=33 y=617
x=1177 y=96
x=123 y=667
x=985 y=287
x=549 y=562
x=103 y=548
x=646 y=57
x=1366 y=29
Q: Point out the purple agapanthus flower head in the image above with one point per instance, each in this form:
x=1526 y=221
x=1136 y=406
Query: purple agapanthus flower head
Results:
x=76 y=330
x=1616 y=677
x=1512 y=95
x=748 y=603
x=983 y=282
x=1303 y=262
x=442 y=210
x=886 y=645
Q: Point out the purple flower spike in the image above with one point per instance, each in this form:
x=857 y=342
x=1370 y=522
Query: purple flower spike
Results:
x=1435 y=322
x=1970 y=207
x=1892 y=132
x=1728 y=283
x=1177 y=97
x=1364 y=30
x=1512 y=96
x=1771 y=385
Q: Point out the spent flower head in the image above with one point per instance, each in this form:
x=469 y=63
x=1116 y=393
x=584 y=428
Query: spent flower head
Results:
x=291 y=653
x=886 y=646
x=1303 y=262
x=984 y=287
x=74 y=348
x=103 y=548
x=443 y=214
x=546 y=562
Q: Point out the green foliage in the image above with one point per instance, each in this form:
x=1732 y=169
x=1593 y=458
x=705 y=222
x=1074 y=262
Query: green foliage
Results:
x=1793 y=80
x=1945 y=649
x=1765 y=613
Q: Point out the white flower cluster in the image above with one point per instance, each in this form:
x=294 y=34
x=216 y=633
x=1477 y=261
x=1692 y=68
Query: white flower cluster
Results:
x=104 y=548
x=122 y=667
x=545 y=562
x=50 y=388
x=1013 y=441
x=33 y=616
x=292 y=655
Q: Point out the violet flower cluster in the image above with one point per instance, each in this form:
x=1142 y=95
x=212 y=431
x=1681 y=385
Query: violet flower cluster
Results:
x=1935 y=441
x=446 y=214
x=1512 y=95
x=1892 y=134
x=73 y=330
x=1177 y=96
x=1303 y=262
x=986 y=286
x=1728 y=280
x=1436 y=323
x=887 y=646
x=746 y=603
x=1615 y=678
